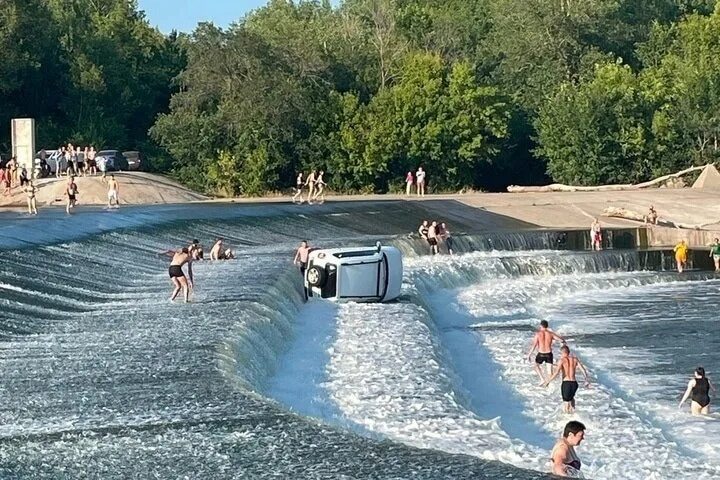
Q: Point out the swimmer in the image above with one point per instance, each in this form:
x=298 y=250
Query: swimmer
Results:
x=681 y=251
x=177 y=276
x=196 y=250
x=543 y=342
x=698 y=390
x=217 y=250
x=301 y=256
x=228 y=255
x=568 y=364
x=565 y=462
x=423 y=230
x=715 y=254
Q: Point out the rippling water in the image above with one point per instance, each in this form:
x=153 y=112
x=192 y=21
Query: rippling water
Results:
x=104 y=377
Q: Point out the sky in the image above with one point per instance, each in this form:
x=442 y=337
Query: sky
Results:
x=184 y=15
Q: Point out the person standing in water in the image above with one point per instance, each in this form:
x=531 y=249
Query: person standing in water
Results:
x=715 y=254
x=681 y=251
x=565 y=462
x=217 y=250
x=543 y=342
x=568 y=365
x=432 y=238
x=595 y=235
x=71 y=191
x=113 y=192
x=447 y=238
x=310 y=183
x=30 y=191
x=698 y=390
x=301 y=256
x=177 y=276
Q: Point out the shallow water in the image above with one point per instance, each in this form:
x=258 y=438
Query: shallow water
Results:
x=103 y=377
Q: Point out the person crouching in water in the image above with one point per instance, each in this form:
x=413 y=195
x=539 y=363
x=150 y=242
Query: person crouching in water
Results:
x=698 y=390
x=177 y=276
x=565 y=462
x=681 y=251
x=568 y=364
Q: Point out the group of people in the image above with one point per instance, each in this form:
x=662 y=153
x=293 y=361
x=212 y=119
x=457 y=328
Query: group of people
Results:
x=565 y=461
x=188 y=255
x=434 y=234
x=418 y=181
x=72 y=192
x=12 y=175
x=78 y=161
x=315 y=185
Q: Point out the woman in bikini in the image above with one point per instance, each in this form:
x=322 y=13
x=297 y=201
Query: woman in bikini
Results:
x=31 y=201
x=698 y=390
x=565 y=462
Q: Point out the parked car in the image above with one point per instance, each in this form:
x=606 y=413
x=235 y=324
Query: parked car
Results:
x=357 y=274
x=56 y=160
x=114 y=160
x=134 y=160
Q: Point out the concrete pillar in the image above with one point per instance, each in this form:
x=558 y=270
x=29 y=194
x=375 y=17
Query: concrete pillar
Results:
x=23 y=143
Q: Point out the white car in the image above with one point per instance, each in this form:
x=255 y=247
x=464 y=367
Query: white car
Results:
x=369 y=274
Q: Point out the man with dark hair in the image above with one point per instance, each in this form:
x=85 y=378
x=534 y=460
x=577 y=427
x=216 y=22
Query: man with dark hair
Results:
x=568 y=365
x=543 y=342
x=565 y=460
x=196 y=250
x=301 y=256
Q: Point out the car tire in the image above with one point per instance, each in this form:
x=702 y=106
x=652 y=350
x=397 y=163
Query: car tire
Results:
x=316 y=276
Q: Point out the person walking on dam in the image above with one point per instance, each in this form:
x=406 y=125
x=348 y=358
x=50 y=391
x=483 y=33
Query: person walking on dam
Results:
x=715 y=254
x=543 y=343
x=568 y=364
x=681 y=251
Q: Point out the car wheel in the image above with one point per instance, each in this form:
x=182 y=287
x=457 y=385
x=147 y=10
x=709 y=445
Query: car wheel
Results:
x=315 y=276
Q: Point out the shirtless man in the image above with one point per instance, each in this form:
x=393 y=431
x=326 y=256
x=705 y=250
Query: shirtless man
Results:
x=71 y=191
x=543 y=342
x=310 y=183
x=177 y=276
x=217 y=251
x=568 y=365
x=301 y=256
x=113 y=192
x=432 y=238
x=565 y=462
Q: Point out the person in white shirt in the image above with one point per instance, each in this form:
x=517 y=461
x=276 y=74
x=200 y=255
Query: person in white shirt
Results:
x=420 y=181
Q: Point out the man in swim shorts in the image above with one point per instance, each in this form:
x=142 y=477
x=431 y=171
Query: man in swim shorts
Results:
x=543 y=342
x=301 y=256
x=177 y=276
x=432 y=238
x=113 y=192
x=71 y=191
x=715 y=254
x=568 y=364
x=565 y=462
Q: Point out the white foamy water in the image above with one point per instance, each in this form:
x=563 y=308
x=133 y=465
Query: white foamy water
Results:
x=386 y=373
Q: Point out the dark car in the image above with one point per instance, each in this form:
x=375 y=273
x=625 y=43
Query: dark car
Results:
x=114 y=160
x=134 y=160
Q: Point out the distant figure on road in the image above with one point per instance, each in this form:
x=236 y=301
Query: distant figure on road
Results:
x=565 y=462
x=310 y=183
x=320 y=187
x=30 y=191
x=698 y=390
x=91 y=163
x=298 y=188
x=681 y=251
x=420 y=181
x=113 y=192
x=715 y=254
x=301 y=256
x=71 y=192
x=409 y=180
x=595 y=235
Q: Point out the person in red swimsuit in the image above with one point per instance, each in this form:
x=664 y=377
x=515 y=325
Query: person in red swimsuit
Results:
x=565 y=462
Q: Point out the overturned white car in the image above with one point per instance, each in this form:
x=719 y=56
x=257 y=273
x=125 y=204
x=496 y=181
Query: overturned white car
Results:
x=370 y=274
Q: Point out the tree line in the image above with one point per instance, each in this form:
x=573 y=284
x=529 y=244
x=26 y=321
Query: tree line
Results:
x=480 y=93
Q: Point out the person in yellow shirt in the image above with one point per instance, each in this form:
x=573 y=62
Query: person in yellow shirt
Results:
x=681 y=250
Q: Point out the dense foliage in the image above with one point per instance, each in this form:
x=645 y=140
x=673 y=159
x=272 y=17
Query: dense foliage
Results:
x=481 y=93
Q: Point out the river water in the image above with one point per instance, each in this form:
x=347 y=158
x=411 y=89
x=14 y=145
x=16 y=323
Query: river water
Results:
x=103 y=377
